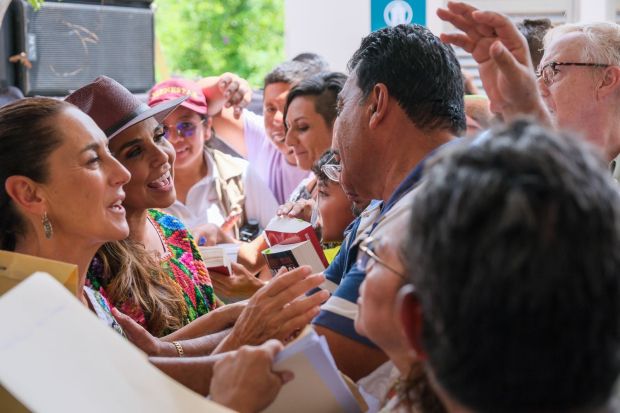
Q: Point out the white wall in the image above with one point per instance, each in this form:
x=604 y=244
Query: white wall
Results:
x=331 y=28
x=334 y=28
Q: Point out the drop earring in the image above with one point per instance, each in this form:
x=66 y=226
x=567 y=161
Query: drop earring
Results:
x=47 y=226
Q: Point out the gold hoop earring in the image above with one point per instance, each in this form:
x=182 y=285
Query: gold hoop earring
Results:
x=47 y=226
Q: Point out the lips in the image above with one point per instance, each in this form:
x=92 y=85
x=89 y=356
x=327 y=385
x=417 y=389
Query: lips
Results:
x=182 y=151
x=164 y=182
x=117 y=206
x=351 y=196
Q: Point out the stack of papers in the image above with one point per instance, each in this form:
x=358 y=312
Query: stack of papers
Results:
x=317 y=386
x=56 y=356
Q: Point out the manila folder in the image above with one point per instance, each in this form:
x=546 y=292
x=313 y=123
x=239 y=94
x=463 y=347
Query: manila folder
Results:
x=57 y=356
x=15 y=268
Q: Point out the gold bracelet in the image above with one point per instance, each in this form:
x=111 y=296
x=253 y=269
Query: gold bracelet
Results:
x=179 y=348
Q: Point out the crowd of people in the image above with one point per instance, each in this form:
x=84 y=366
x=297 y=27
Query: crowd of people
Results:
x=474 y=239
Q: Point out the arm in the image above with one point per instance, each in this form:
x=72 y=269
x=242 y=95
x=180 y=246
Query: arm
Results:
x=250 y=254
x=210 y=323
x=227 y=95
x=503 y=56
x=194 y=373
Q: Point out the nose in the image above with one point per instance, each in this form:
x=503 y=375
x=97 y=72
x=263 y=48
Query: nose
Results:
x=119 y=175
x=278 y=118
x=160 y=156
x=544 y=90
x=290 y=139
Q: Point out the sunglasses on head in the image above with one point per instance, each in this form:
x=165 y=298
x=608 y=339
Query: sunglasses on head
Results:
x=184 y=129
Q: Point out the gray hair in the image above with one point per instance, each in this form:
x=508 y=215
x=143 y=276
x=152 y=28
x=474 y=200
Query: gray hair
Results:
x=602 y=41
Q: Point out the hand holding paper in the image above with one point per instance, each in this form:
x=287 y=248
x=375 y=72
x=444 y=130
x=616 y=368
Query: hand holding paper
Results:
x=244 y=380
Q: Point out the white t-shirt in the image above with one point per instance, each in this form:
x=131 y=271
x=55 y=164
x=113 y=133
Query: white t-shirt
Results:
x=202 y=204
x=281 y=177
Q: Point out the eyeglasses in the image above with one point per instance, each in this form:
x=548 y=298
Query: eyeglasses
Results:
x=332 y=170
x=184 y=129
x=367 y=253
x=548 y=71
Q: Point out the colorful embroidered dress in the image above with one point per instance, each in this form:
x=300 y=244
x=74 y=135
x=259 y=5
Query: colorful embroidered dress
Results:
x=183 y=263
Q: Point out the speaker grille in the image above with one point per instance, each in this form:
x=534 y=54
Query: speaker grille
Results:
x=70 y=44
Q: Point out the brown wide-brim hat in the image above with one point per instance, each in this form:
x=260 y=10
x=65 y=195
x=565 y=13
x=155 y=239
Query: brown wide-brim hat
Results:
x=114 y=108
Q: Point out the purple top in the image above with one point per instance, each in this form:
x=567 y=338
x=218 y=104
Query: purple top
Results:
x=281 y=177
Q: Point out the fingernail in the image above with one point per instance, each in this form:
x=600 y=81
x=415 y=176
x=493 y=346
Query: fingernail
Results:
x=227 y=94
x=202 y=240
x=284 y=210
x=222 y=84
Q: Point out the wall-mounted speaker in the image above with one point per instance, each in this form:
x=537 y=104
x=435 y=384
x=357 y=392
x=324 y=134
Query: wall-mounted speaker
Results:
x=69 y=43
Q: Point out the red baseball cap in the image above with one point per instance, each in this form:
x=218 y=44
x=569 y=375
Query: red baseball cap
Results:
x=175 y=88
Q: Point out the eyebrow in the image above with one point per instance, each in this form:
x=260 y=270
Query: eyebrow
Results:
x=90 y=147
x=130 y=143
x=298 y=118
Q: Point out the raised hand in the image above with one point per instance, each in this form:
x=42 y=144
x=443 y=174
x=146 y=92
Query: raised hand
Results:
x=503 y=56
x=277 y=309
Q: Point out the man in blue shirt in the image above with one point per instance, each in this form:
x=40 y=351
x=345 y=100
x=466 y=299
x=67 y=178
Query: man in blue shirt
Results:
x=403 y=100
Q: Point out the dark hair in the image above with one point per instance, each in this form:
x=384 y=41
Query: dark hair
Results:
x=323 y=160
x=534 y=31
x=312 y=59
x=27 y=137
x=324 y=87
x=290 y=73
x=419 y=70
x=514 y=250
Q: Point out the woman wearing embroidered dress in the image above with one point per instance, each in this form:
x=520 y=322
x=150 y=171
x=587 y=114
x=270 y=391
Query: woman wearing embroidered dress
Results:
x=156 y=276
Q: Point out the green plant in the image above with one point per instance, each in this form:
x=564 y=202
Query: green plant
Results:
x=206 y=38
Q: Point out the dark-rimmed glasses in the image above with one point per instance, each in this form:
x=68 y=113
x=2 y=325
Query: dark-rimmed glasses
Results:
x=366 y=253
x=332 y=170
x=184 y=129
x=547 y=72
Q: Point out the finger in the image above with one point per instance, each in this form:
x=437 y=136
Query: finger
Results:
x=284 y=280
x=132 y=329
x=237 y=112
x=239 y=269
x=224 y=81
x=505 y=61
x=285 y=376
x=300 y=321
x=236 y=98
x=292 y=292
x=283 y=209
x=459 y=40
x=297 y=209
x=459 y=22
x=466 y=12
x=303 y=305
x=272 y=347
x=502 y=25
x=231 y=90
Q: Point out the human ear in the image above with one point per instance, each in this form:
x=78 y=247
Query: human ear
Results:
x=377 y=104
x=609 y=81
x=207 y=128
x=25 y=193
x=410 y=312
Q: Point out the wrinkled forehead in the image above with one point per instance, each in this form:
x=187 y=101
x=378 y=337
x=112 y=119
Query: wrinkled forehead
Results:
x=567 y=48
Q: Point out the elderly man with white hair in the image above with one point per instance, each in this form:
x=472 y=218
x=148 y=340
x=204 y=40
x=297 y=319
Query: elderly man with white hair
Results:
x=578 y=85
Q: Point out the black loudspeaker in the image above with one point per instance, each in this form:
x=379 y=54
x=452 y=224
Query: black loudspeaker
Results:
x=70 y=43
